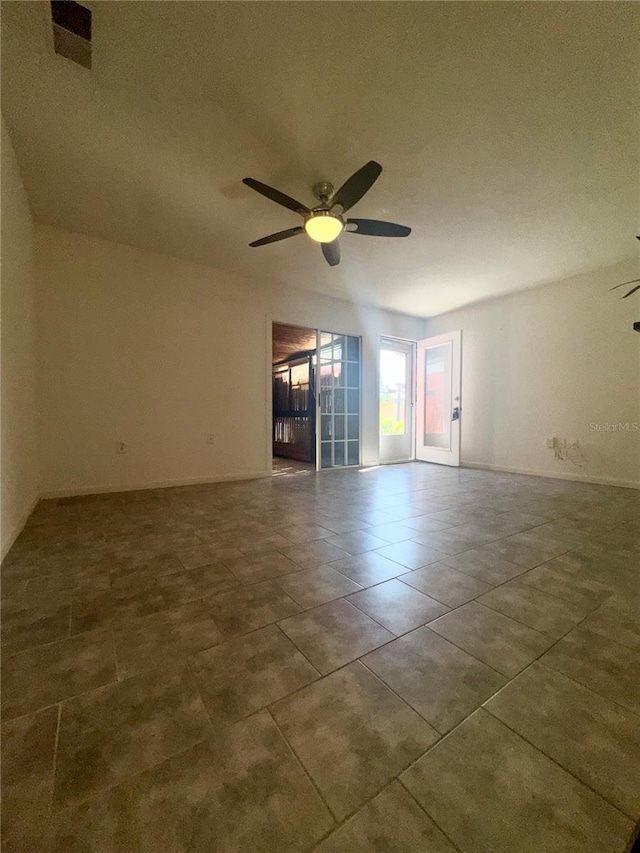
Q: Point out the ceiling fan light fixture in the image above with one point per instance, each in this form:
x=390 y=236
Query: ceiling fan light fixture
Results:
x=323 y=226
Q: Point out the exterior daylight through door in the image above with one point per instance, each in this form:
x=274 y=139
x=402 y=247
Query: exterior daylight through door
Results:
x=396 y=400
x=438 y=401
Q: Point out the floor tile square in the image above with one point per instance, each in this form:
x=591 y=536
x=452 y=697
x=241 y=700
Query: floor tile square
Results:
x=576 y=588
x=334 y=634
x=102 y=824
x=119 y=730
x=529 y=605
x=600 y=664
x=251 y=607
x=311 y=587
x=392 y=532
x=445 y=584
x=241 y=790
x=426 y=524
x=396 y=606
x=356 y=542
x=25 y=627
x=592 y=737
x=550 y=545
x=253 y=568
x=165 y=638
x=206 y=555
x=352 y=734
x=503 y=644
x=410 y=554
x=27 y=770
x=344 y=523
x=316 y=553
x=390 y=822
x=246 y=674
x=483 y=766
x=440 y=681
x=190 y=585
x=617 y=621
x=301 y=533
x=484 y=566
x=44 y=675
x=368 y=569
x=454 y=540
x=513 y=552
x=102 y=610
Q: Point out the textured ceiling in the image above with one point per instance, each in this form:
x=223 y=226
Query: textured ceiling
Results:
x=290 y=340
x=507 y=133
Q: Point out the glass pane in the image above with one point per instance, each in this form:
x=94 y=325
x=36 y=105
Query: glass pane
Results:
x=353 y=349
x=338 y=453
x=325 y=454
x=352 y=453
x=338 y=348
x=338 y=400
x=325 y=346
x=353 y=425
x=437 y=397
x=325 y=428
x=338 y=427
x=353 y=401
x=393 y=390
x=326 y=376
x=353 y=375
x=339 y=373
x=326 y=399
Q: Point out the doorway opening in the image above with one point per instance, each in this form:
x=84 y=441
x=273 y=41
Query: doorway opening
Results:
x=429 y=373
x=294 y=406
x=316 y=399
x=396 y=394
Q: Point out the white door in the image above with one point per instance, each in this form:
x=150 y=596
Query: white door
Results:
x=396 y=400
x=438 y=399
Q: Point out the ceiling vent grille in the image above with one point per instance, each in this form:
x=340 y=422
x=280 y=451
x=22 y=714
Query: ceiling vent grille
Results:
x=72 y=31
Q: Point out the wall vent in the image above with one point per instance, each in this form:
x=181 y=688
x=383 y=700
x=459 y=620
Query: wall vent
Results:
x=72 y=31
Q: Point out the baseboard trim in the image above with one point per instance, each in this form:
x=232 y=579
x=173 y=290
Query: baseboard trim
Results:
x=17 y=529
x=555 y=475
x=158 y=484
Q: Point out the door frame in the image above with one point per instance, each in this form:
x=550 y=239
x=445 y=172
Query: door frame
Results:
x=411 y=392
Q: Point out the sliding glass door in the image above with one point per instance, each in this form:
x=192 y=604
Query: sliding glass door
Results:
x=338 y=384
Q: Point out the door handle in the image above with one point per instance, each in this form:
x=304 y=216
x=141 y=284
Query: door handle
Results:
x=455 y=415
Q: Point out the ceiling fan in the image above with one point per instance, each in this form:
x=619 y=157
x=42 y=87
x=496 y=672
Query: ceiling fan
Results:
x=325 y=222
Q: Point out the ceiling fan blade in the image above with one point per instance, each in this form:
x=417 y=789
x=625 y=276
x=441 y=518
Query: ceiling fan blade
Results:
x=357 y=185
x=277 y=196
x=331 y=252
x=281 y=235
x=378 y=228
x=633 y=290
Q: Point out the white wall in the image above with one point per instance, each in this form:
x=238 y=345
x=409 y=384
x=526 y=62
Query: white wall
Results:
x=160 y=353
x=550 y=362
x=19 y=456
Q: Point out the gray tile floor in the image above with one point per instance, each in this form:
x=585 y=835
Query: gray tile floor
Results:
x=411 y=658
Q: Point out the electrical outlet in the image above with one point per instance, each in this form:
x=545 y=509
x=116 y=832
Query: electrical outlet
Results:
x=121 y=447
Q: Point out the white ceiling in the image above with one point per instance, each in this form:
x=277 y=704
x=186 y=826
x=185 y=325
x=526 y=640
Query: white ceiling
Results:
x=507 y=133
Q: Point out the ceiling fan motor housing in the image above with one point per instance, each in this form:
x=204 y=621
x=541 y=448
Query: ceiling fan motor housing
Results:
x=323 y=191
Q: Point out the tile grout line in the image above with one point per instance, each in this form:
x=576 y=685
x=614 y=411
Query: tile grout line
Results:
x=300 y=763
x=431 y=818
x=54 y=768
x=558 y=764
